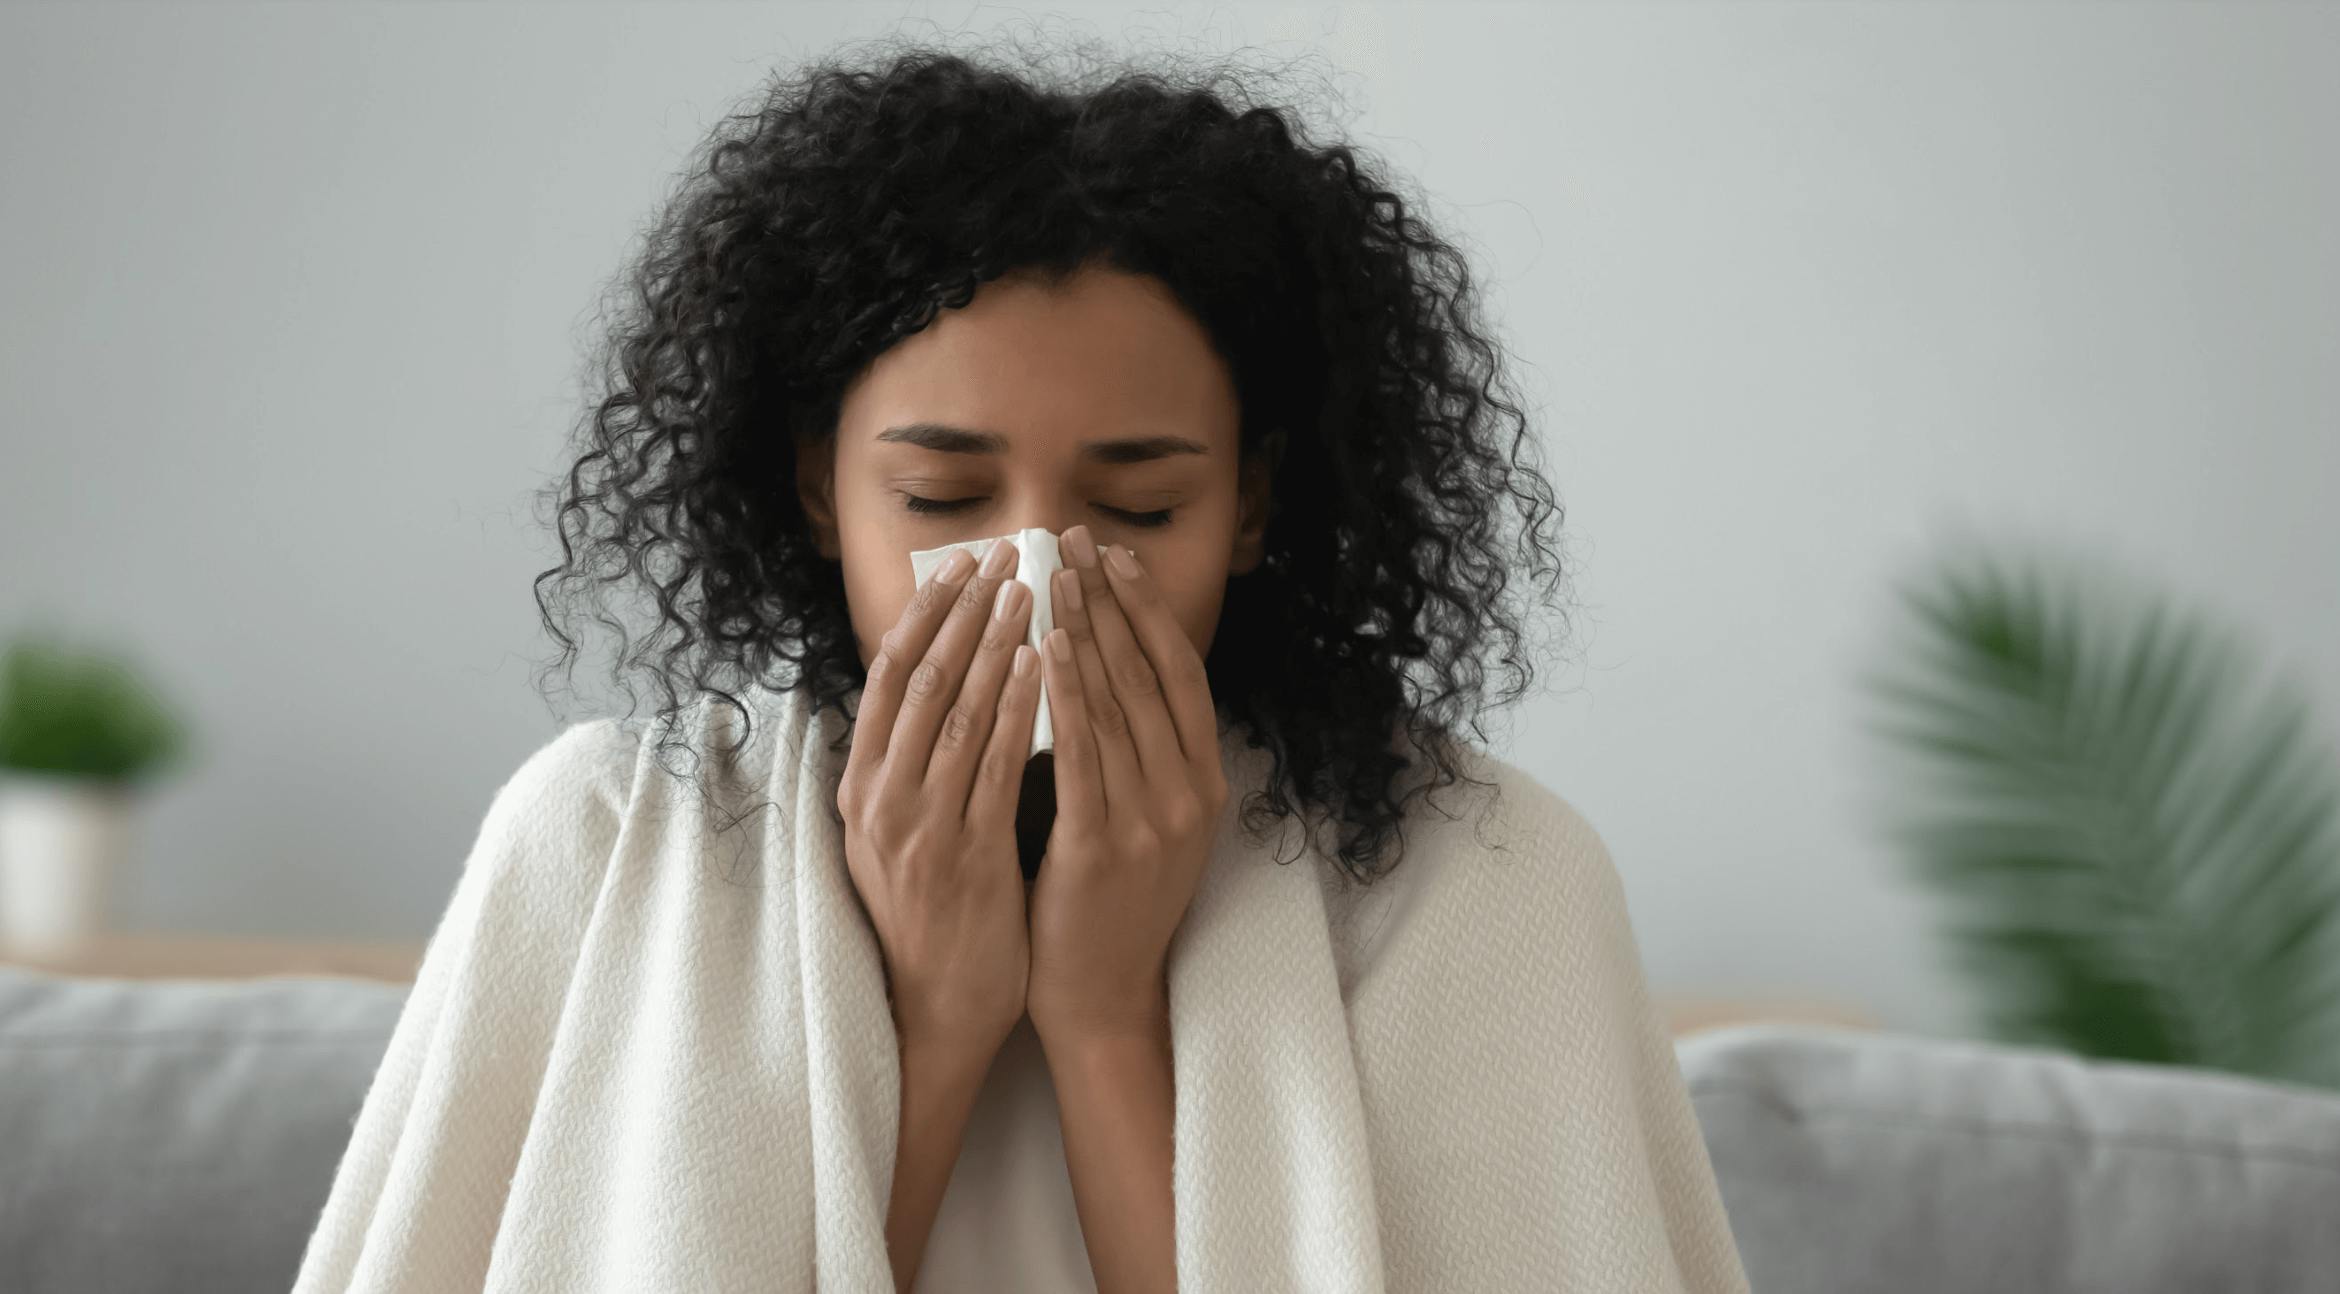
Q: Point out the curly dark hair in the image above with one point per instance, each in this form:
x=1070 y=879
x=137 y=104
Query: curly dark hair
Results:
x=858 y=198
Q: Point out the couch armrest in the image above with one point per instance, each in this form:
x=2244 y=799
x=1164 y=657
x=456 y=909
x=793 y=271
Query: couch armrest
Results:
x=1862 y=1161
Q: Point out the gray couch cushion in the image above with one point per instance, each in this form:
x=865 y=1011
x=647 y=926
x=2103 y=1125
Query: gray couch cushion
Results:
x=181 y=1136
x=1883 y=1161
x=175 y=1134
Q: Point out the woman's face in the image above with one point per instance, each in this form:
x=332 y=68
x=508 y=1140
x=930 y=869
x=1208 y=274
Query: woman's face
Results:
x=1099 y=404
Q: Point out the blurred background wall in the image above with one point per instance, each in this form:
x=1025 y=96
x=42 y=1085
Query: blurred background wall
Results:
x=296 y=299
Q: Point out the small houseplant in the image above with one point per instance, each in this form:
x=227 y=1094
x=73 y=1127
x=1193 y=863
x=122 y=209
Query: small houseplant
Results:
x=2138 y=835
x=79 y=734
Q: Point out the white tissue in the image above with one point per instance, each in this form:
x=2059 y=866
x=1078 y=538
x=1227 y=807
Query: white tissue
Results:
x=1038 y=560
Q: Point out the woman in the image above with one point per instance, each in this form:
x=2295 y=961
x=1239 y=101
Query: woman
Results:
x=946 y=1017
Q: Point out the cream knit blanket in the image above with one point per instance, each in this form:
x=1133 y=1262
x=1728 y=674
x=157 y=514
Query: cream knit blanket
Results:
x=643 y=1056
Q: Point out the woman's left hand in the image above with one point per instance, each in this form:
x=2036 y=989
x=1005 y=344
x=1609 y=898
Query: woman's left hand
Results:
x=1139 y=790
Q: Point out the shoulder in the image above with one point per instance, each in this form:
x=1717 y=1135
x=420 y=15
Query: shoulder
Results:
x=1503 y=885
x=592 y=759
x=574 y=787
x=523 y=898
x=587 y=765
x=1507 y=819
x=1498 y=851
x=1507 y=847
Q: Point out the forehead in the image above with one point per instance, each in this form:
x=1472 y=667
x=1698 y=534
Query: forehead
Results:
x=1106 y=354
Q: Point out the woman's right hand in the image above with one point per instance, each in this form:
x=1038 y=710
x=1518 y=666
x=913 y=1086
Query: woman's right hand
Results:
x=929 y=796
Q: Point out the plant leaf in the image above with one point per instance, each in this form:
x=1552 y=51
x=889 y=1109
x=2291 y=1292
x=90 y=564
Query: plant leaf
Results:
x=2138 y=849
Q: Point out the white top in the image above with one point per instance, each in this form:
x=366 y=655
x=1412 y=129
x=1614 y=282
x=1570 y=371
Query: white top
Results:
x=1007 y=1223
x=649 y=1048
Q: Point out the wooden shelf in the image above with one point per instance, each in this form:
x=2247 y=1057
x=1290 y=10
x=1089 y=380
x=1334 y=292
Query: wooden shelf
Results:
x=1689 y=1014
x=153 y=955
x=163 y=955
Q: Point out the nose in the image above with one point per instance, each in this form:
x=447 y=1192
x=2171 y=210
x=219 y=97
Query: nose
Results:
x=1054 y=521
x=1055 y=504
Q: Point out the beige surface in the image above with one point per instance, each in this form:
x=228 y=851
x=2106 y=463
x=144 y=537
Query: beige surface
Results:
x=142 y=955
x=1688 y=1014
x=147 y=955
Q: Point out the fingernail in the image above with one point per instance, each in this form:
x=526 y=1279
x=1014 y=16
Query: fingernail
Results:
x=1083 y=545
x=996 y=561
x=956 y=566
x=1060 y=644
x=1004 y=604
x=1124 y=561
x=1026 y=658
x=1072 y=589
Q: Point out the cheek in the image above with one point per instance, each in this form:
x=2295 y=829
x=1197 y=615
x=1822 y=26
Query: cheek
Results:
x=875 y=601
x=873 y=559
x=1195 y=603
x=1193 y=581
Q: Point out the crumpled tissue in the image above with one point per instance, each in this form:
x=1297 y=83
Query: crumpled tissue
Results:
x=1039 y=558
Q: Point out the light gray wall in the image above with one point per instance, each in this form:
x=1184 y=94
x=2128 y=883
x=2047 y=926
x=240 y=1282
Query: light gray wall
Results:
x=294 y=300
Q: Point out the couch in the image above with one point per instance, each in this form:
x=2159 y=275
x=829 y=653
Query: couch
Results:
x=180 y=1135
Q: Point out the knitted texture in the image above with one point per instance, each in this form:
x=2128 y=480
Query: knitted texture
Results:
x=642 y=1053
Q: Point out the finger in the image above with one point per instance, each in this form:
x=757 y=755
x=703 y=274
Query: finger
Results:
x=967 y=731
x=1139 y=688
x=1184 y=681
x=1117 y=758
x=999 y=782
x=1080 y=789
x=898 y=654
x=932 y=689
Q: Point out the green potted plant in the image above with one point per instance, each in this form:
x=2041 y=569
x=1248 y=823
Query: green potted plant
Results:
x=79 y=734
x=2137 y=836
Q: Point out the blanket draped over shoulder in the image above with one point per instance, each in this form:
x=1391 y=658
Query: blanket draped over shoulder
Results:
x=649 y=1048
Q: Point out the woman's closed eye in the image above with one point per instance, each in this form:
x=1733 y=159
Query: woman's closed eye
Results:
x=933 y=507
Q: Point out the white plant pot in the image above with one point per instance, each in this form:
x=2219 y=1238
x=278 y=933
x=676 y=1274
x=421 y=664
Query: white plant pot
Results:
x=62 y=843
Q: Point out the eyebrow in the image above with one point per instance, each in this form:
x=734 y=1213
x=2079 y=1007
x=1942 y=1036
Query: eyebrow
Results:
x=967 y=440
